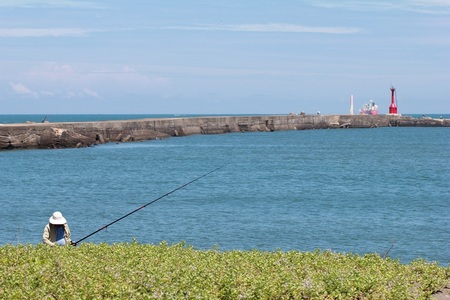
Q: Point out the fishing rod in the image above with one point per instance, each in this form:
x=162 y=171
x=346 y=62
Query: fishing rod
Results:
x=147 y=204
x=387 y=252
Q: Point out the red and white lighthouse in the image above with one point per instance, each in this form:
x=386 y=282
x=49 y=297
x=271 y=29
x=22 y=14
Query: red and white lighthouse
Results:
x=393 y=107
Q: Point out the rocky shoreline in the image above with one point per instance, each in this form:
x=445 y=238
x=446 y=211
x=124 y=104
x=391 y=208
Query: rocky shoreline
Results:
x=84 y=134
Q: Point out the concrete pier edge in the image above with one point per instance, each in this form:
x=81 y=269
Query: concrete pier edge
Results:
x=85 y=134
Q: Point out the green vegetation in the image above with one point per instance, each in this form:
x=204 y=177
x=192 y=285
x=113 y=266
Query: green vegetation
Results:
x=135 y=271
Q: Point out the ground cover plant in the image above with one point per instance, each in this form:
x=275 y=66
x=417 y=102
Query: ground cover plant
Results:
x=137 y=271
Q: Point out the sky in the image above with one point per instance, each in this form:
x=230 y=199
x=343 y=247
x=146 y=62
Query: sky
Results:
x=223 y=57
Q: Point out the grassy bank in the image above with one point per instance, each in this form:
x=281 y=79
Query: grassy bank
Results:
x=135 y=271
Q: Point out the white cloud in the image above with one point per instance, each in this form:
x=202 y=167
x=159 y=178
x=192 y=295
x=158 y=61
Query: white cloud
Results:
x=50 y=3
x=90 y=93
x=271 y=27
x=440 y=7
x=24 y=90
x=419 y=6
x=45 y=32
x=127 y=76
x=63 y=80
x=51 y=72
x=70 y=94
x=21 y=89
x=47 y=93
x=431 y=3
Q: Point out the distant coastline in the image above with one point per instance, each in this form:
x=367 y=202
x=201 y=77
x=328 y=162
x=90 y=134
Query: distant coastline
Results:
x=48 y=134
x=57 y=118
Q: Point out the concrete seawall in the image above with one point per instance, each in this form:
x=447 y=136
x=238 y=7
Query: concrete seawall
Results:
x=84 y=134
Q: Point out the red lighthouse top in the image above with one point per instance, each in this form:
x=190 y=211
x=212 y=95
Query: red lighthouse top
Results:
x=393 y=107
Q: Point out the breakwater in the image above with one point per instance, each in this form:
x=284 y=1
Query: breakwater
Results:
x=84 y=134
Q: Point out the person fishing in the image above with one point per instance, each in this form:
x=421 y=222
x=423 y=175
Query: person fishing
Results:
x=57 y=232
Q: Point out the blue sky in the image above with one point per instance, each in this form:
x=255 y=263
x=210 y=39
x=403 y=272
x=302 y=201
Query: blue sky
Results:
x=223 y=57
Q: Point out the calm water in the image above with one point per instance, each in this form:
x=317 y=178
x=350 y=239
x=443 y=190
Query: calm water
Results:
x=352 y=190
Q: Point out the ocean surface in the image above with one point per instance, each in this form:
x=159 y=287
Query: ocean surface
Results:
x=344 y=190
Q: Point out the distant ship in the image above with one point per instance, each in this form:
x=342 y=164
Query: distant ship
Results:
x=369 y=109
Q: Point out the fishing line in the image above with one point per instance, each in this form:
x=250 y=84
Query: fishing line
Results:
x=147 y=204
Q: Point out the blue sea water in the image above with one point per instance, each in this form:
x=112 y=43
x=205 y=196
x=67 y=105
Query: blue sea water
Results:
x=345 y=190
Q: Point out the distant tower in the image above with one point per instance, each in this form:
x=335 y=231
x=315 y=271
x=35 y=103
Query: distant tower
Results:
x=393 y=107
x=351 y=104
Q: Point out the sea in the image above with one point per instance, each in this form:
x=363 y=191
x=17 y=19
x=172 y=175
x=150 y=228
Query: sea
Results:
x=376 y=190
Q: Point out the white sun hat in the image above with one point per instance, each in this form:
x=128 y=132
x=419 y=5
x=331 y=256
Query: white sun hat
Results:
x=57 y=219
